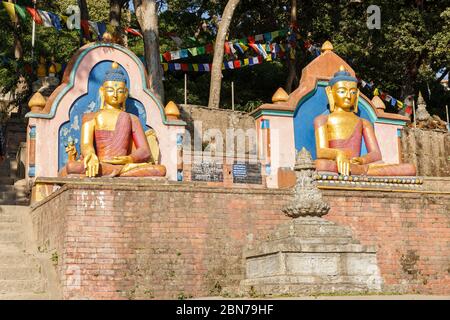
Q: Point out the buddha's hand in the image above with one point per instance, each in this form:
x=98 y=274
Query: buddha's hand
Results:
x=343 y=164
x=91 y=165
x=357 y=160
x=120 y=160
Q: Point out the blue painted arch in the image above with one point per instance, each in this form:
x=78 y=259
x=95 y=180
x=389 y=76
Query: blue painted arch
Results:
x=90 y=102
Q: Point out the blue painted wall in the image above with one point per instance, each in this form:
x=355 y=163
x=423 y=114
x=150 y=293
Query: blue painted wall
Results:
x=308 y=109
x=90 y=102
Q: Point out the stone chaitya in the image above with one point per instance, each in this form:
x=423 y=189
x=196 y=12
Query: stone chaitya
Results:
x=310 y=255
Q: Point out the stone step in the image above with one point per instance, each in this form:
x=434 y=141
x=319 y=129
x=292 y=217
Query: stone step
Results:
x=12 y=246
x=11 y=236
x=6 y=180
x=19 y=273
x=5 y=195
x=22 y=286
x=7 y=188
x=10 y=226
x=5 y=218
x=24 y=296
x=15 y=259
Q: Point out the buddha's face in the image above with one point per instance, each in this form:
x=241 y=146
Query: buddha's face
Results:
x=115 y=93
x=345 y=94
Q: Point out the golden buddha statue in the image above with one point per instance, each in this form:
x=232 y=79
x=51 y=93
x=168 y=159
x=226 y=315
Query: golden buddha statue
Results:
x=339 y=135
x=113 y=142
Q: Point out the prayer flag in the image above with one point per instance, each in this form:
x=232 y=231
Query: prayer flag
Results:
x=201 y=67
x=134 y=32
x=21 y=12
x=251 y=39
x=400 y=104
x=237 y=64
x=45 y=18
x=184 y=67
x=177 y=66
x=246 y=62
x=9 y=7
x=262 y=50
x=207 y=67
x=393 y=102
x=85 y=28
x=363 y=83
x=193 y=51
x=165 y=67
x=171 y=67
x=227 y=48
x=183 y=53
x=259 y=37
x=101 y=29
x=35 y=15
x=375 y=92
x=195 y=66
x=238 y=48
x=94 y=27
x=254 y=47
x=167 y=56
x=409 y=110
x=267 y=36
x=209 y=48
x=233 y=50
x=201 y=50
x=56 y=22
x=175 y=55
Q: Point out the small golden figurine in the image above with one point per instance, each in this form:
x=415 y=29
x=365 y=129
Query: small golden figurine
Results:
x=71 y=151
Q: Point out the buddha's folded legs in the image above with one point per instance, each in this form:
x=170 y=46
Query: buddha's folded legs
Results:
x=402 y=169
x=76 y=168
x=331 y=166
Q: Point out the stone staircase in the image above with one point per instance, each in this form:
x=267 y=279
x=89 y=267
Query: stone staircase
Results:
x=24 y=272
x=13 y=187
x=21 y=272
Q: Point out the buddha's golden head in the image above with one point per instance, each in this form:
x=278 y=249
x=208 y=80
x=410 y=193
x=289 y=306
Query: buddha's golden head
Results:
x=343 y=91
x=114 y=91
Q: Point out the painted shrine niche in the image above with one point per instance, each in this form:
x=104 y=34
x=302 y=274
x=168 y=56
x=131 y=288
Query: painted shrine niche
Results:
x=103 y=121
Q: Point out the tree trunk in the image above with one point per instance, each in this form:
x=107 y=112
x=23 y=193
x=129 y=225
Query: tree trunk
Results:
x=147 y=16
x=292 y=63
x=115 y=14
x=216 y=69
x=84 y=15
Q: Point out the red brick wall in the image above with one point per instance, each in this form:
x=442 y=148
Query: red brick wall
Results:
x=411 y=232
x=181 y=240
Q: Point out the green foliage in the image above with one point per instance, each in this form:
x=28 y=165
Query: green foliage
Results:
x=401 y=58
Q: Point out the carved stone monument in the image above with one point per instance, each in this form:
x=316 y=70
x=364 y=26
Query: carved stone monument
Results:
x=310 y=255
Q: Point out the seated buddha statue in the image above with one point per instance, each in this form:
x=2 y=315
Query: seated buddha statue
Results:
x=339 y=135
x=113 y=142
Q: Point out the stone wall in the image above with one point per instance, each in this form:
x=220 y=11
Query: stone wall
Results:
x=169 y=240
x=429 y=150
x=221 y=119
